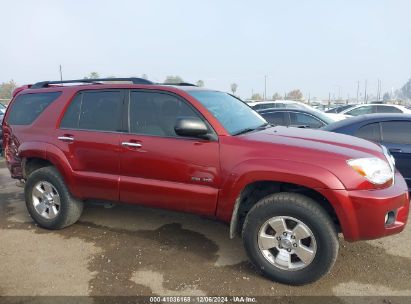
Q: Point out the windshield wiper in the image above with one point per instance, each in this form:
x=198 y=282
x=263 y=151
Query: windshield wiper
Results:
x=247 y=130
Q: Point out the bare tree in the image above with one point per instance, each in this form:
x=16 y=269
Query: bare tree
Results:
x=295 y=95
x=6 y=89
x=173 y=79
x=256 y=96
x=234 y=87
x=277 y=96
x=92 y=75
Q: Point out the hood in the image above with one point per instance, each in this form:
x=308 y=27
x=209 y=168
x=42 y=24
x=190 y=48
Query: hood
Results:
x=322 y=144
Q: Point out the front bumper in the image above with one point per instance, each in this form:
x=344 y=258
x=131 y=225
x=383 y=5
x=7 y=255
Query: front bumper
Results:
x=362 y=213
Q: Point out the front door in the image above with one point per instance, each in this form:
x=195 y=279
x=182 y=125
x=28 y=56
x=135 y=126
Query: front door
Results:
x=158 y=167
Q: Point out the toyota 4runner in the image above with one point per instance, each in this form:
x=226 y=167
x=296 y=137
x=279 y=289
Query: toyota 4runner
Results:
x=288 y=192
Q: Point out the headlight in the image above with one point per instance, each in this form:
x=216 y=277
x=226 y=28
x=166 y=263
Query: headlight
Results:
x=373 y=169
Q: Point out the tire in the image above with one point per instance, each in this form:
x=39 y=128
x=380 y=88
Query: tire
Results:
x=319 y=250
x=65 y=213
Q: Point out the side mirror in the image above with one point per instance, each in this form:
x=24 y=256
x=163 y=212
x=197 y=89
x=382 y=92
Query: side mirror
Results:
x=191 y=127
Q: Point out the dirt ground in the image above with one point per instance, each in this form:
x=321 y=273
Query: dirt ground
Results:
x=130 y=250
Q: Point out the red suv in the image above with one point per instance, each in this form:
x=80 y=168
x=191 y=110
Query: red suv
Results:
x=286 y=191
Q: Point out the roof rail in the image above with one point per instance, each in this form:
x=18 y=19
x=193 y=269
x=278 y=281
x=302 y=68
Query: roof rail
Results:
x=134 y=80
x=179 y=84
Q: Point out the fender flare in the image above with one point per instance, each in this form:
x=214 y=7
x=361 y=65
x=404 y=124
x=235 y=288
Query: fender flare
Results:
x=271 y=170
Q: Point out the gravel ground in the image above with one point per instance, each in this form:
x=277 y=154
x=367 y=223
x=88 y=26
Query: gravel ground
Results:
x=130 y=250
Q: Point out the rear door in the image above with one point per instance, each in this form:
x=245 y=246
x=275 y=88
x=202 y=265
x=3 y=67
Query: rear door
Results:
x=396 y=136
x=160 y=168
x=89 y=136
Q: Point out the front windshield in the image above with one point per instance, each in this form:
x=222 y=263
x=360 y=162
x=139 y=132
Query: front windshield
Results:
x=232 y=113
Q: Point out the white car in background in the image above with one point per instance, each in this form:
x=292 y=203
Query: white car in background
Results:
x=370 y=109
x=289 y=104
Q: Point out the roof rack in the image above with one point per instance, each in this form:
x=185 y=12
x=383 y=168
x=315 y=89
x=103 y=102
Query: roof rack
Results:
x=134 y=80
x=179 y=84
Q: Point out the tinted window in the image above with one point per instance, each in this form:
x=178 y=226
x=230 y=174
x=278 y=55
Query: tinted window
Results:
x=369 y=132
x=300 y=119
x=396 y=132
x=388 y=109
x=231 y=112
x=26 y=108
x=360 y=111
x=276 y=118
x=99 y=111
x=156 y=113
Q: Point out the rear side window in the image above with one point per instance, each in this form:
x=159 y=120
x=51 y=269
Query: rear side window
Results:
x=303 y=120
x=26 y=108
x=276 y=118
x=360 y=111
x=370 y=132
x=95 y=111
x=388 y=109
x=398 y=132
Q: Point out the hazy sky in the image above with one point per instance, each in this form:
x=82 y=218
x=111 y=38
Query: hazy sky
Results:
x=317 y=46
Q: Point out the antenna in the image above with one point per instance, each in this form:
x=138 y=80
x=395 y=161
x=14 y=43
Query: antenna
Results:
x=61 y=74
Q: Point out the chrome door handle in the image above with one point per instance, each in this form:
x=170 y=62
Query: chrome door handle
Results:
x=130 y=144
x=65 y=138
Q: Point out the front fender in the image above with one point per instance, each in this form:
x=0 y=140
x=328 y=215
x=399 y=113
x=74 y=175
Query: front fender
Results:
x=276 y=170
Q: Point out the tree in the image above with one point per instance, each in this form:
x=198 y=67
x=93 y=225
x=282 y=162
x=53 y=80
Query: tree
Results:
x=277 y=96
x=6 y=89
x=234 y=87
x=256 y=96
x=92 y=75
x=173 y=79
x=405 y=91
x=295 y=95
x=200 y=83
x=386 y=96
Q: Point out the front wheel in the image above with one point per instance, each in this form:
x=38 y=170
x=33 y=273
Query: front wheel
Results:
x=290 y=238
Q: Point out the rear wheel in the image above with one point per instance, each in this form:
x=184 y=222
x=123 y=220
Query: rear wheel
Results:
x=290 y=238
x=49 y=201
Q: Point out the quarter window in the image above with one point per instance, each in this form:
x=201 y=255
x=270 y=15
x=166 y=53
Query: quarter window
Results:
x=153 y=113
x=97 y=110
x=26 y=108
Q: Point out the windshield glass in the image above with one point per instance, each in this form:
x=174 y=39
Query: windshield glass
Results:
x=231 y=112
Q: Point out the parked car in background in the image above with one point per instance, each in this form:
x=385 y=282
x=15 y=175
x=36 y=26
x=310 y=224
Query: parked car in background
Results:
x=374 y=108
x=2 y=109
x=339 y=109
x=272 y=104
x=390 y=130
x=296 y=118
x=1 y=133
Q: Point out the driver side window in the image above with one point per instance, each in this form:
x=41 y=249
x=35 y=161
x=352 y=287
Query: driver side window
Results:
x=153 y=113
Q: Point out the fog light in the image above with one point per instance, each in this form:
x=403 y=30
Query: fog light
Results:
x=389 y=218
